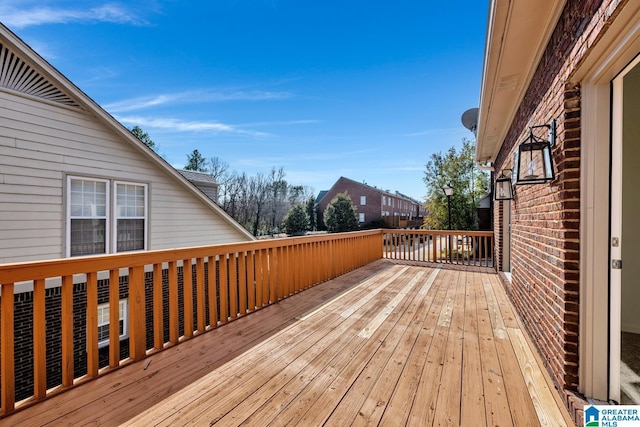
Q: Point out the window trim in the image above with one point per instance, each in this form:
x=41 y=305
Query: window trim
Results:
x=363 y=200
x=68 y=216
x=115 y=217
x=111 y=224
x=124 y=307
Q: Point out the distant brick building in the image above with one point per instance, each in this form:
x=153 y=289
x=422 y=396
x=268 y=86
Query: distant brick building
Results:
x=373 y=204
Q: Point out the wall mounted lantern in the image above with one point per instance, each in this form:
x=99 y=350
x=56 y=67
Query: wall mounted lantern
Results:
x=502 y=189
x=533 y=161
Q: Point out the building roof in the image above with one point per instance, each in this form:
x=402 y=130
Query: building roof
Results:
x=199 y=177
x=321 y=195
x=388 y=193
x=40 y=79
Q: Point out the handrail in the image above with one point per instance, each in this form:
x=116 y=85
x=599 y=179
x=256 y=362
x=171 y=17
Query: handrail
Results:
x=165 y=306
x=469 y=248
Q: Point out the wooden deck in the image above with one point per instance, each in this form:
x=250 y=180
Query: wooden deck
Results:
x=387 y=344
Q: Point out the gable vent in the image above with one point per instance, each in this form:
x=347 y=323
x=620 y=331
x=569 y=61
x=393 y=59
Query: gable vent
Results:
x=17 y=75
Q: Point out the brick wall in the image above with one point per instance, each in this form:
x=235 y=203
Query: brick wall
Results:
x=546 y=218
x=401 y=206
x=355 y=189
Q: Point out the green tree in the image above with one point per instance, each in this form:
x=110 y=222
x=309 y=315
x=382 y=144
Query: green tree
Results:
x=296 y=222
x=144 y=137
x=195 y=162
x=457 y=168
x=311 y=213
x=340 y=214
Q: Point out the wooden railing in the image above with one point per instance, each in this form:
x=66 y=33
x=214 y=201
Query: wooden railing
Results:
x=49 y=309
x=165 y=305
x=472 y=248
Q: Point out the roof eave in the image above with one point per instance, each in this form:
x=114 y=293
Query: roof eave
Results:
x=517 y=35
x=89 y=104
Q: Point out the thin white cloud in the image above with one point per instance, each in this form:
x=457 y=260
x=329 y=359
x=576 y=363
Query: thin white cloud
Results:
x=188 y=126
x=25 y=14
x=192 y=97
x=101 y=73
x=284 y=123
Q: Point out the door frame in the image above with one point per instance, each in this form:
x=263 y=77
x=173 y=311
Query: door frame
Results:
x=614 y=51
x=616 y=230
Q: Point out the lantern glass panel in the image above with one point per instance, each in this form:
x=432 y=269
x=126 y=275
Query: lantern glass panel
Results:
x=535 y=165
x=503 y=189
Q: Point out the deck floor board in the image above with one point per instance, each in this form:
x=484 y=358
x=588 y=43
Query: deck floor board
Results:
x=387 y=344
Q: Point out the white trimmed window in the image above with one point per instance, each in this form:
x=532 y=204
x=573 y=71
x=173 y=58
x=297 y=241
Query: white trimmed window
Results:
x=88 y=207
x=94 y=228
x=103 y=322
x=361 y=217
x=363 y=200
x=130 y=217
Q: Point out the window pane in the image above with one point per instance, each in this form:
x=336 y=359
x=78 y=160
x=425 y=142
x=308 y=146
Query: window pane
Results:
x=88 y=236
x=88 y=198
x=103 y=332
x=130 y=235
x=103 y=315
x=130 y=200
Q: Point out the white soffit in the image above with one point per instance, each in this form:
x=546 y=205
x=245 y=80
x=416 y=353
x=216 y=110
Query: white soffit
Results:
x=517 y=34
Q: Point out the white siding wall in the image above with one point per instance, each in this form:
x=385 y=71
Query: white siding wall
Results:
x=42 y=142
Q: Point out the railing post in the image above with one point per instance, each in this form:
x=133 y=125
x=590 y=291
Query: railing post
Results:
x=187 y=291
x=92 y=324
x=173 y=302
x=200 y=294
x=114 y=316
x=137 y=326
x=242 y=283
x=233 y=285
x=39 y=341
x=67 y=331
x=224 y=288
x=7 y=375
x=158 y=309
x=213 y=292
x=251 y=279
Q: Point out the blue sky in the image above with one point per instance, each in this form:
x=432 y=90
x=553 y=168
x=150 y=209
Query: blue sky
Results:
x=362 y=89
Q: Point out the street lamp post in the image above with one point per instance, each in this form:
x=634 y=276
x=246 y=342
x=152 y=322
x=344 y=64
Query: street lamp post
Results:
x=448 y=191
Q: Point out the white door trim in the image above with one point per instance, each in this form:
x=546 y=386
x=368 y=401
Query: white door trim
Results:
x=616 y=49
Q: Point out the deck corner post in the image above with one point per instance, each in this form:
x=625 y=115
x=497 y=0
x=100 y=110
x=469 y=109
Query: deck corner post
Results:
x=137 y=302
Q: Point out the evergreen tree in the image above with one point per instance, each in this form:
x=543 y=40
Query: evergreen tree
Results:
x=296 y=222
x=311 y=213
x=340 y=214
x=144 y=137
x=195 y=162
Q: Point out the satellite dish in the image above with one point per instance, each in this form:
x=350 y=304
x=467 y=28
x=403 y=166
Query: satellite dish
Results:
x=470 y=119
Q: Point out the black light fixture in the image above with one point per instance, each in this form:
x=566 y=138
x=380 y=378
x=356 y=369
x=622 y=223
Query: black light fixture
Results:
x=533 y=161
x=502 y=189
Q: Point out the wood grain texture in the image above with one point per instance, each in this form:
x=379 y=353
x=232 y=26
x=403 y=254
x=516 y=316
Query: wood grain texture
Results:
x=437 y=351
